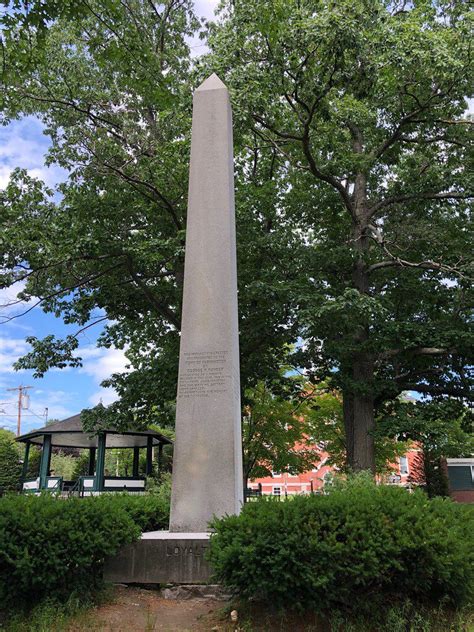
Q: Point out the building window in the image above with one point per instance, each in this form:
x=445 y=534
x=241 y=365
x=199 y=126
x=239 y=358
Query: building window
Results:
x=404 y=465
x=276 y=473
x=277 y=491
x=461 y=477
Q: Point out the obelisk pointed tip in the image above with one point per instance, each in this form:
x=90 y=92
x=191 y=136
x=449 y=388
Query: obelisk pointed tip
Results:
x=212 y=83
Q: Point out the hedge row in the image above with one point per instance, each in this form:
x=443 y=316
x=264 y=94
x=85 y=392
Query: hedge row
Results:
x=51 y=547
x=356 y=549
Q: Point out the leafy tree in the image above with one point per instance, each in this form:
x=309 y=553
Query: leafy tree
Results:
x=81 y=465
x=113 y=246
x=440 y=429
x=63 y=464
x=276 y=435
x=429 y=472
x=325 y=424
x=352 y=192
x=10 y=468
x=361 y=105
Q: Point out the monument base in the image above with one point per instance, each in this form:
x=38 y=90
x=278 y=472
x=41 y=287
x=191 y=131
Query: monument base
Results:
x=161 y=557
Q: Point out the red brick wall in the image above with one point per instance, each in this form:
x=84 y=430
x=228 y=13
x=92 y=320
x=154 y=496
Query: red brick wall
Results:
x=464 y=496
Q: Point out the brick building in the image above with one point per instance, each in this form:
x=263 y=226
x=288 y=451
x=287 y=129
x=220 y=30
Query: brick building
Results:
x=284 y=484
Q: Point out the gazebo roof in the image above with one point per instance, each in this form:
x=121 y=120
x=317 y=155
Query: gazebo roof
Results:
x=69 y=434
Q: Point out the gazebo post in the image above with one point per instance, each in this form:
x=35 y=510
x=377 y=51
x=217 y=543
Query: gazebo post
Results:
x=26 y=458
x=149 y=455
x=91 y=466
x=136 y=460
x=100 y=468
x=45 y=461
x=160 y=457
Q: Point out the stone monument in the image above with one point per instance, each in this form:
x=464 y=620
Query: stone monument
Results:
x=207 y=463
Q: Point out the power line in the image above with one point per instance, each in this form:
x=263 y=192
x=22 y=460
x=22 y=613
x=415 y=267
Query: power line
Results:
x=24 y=415
x=45 y=414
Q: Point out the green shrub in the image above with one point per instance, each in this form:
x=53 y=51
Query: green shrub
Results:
x=10 y=468
x=357 y=549
x=150 y=511
x=52 y=548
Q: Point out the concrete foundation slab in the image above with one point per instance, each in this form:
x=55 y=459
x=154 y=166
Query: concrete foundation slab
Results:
x=161 y=557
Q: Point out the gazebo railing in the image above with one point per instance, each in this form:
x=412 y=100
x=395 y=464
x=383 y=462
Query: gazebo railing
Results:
x=86 y=485
x=33 y=485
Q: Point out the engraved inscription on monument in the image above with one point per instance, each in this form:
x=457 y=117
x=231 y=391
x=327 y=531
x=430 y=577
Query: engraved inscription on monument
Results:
x=204 y=373
x=194 y=549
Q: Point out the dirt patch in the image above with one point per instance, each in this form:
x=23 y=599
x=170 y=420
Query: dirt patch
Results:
x=139 y=610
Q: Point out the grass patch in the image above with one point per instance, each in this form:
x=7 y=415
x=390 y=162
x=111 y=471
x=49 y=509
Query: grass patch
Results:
x=54 y=616
x=401 y=618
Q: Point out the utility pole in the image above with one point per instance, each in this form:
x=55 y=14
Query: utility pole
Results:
x=21 y=392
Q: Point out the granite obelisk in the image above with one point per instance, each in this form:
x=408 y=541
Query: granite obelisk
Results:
x=207 y=464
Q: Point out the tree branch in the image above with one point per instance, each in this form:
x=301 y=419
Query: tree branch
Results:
x=453 y=391
x=160 y=306
x=428 y=351
x=427 y=195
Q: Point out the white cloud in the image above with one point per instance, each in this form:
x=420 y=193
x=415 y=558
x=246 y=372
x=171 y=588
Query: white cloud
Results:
x=103 y=396
x=10 y=350
x=100 y=364
x=22 y=144
x=42 y=405
x=205 y=8
x=4 y=175
x=9 y=303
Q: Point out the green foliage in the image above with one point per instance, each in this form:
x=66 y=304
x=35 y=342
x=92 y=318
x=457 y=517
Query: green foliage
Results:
x=358 y=549
x=34 y=460
x=63 y=465
x=441 y=429
x=10 y=468
x=325 y=424
x=353 y=186
x=361 y=106
x=54 y=547
x=429 y=471
x=406 y=616
x=53 y=615
x=81 y=465
x=276 y=434
x=149 y=511
x=444 y=428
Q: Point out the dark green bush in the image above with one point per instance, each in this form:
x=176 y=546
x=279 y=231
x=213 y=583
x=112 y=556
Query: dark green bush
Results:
x=50 y=547
x=357 y=549
x=10 y=468
x=150 y=512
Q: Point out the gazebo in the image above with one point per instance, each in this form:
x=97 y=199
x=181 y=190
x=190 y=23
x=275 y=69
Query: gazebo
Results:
x=69 y=434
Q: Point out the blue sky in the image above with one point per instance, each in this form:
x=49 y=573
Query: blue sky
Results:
x=67 y=391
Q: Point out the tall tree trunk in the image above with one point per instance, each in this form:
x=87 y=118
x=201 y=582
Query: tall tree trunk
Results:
x=363 y=456
x=359 y=409
x=348 y=414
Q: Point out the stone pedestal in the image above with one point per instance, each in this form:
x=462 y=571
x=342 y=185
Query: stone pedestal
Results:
x=161 y=557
